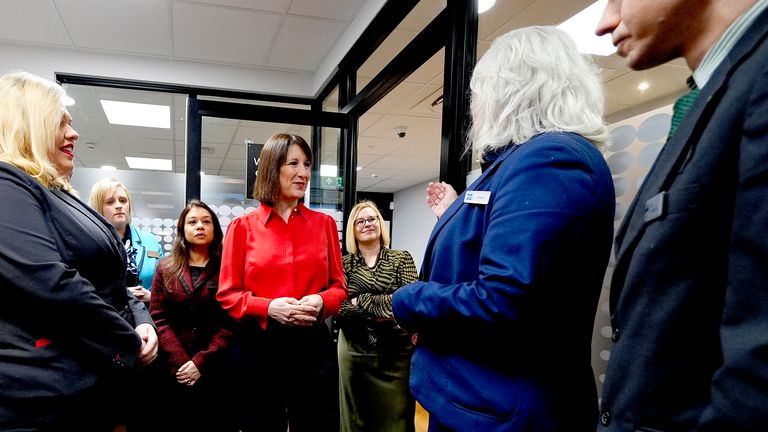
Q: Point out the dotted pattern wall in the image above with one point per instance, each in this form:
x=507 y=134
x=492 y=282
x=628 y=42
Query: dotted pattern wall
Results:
x=163 y=229
x=633 y=148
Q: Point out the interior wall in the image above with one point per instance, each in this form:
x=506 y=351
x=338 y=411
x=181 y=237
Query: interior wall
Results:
x=46 y=62
x=635 y=143
x=413 y=221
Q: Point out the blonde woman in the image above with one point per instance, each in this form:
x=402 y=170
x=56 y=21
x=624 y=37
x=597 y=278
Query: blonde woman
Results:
x=374 y=352
x=70 y=329
x=112 y=200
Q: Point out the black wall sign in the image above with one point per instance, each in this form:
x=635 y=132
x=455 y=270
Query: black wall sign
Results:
x=252 y=165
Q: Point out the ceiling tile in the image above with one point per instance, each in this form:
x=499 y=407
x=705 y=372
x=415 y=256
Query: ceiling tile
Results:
x=539 y=12
x=420 y=103
x=388 y=49
x=334 y=9
x=421 y=15
x=159 y=148
x=218 y=133
x=135 y=26
x=429 y=70
x=503 y=11
x=223 y=35
x=35 y=21
x=663 y=80
x=393 y=98
x=303 y=43
x=394 y=162
x=376 y=146
x=379 y=173
x=265 y=5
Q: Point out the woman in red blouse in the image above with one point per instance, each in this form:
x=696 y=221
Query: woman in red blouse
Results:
x=195 y=333
x=281 y=276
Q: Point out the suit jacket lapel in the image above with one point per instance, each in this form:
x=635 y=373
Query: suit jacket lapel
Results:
x=98 y=220
x=190 y=286
x=680 y=147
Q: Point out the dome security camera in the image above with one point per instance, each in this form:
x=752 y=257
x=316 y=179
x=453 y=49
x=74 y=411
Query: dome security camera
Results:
x=401 y=131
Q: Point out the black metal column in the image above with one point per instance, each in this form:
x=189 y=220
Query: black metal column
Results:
x=348 y=146
x=315 y=190
x=194 y=148
x=460 y=58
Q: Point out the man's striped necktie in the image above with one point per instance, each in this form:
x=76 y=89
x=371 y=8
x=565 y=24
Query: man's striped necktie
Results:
x=682 y=105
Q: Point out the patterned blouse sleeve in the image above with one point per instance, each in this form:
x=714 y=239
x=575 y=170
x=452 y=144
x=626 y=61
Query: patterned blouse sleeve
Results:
x=379 y=306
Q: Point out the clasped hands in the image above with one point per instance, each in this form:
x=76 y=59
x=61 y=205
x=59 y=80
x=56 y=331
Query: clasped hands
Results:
x=292 y=312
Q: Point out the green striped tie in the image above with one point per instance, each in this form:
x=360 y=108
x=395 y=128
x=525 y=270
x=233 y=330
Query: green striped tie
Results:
x=682 y=105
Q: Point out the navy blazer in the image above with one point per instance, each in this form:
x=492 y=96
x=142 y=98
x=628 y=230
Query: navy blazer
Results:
x=505 y=307
x=689 y=295
x=66 y=318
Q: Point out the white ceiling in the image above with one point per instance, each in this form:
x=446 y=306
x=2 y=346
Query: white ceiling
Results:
x=290 y=37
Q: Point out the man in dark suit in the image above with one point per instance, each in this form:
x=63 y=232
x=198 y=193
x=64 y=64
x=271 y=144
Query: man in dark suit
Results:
x=689 y=308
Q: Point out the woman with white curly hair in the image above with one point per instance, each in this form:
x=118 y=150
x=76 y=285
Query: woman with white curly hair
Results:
x=513 y=270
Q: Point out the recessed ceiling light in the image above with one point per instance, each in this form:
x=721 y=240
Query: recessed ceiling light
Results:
x=643 y=86
x=581 y=27
x=359 y=168
x=484 y=5
x=67 y=100
x=149 y=163
x=202 y=173
x=137 y=114
x=108 y=167
x=374 y=175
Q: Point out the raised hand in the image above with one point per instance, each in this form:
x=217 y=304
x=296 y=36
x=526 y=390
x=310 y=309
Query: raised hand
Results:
x=440 y=196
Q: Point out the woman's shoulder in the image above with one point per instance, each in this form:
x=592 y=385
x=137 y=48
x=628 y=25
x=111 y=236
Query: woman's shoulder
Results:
x=557 y=141
x=348 y=259
x=317 y=215
x=147 y=238
x=12 y=172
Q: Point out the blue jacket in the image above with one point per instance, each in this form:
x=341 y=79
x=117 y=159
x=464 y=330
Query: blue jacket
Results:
x=148 y=254
x=505 y=307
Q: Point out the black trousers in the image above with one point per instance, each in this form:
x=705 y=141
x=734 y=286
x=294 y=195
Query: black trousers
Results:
x=89 y=411
x=291 y=377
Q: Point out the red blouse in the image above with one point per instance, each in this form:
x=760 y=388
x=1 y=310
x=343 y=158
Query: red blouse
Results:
x=264 y=258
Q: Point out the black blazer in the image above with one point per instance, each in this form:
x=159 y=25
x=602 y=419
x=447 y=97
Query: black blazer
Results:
x=66 y=318
x=689 y=295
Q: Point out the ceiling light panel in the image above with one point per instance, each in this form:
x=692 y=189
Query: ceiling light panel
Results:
x=137 y=114
x=149 y=163
x=581 y=27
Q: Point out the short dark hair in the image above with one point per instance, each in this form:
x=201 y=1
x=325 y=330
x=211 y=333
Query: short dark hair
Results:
x=266 y=188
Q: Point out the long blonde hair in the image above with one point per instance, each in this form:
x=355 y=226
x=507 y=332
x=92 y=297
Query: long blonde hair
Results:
x=31 y=110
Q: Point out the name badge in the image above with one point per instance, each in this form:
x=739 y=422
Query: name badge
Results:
x=654 y=207
x=477 y=197
x=153 y=254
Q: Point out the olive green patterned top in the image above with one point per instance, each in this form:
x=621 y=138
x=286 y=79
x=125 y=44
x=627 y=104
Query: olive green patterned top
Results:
x=371 y=318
